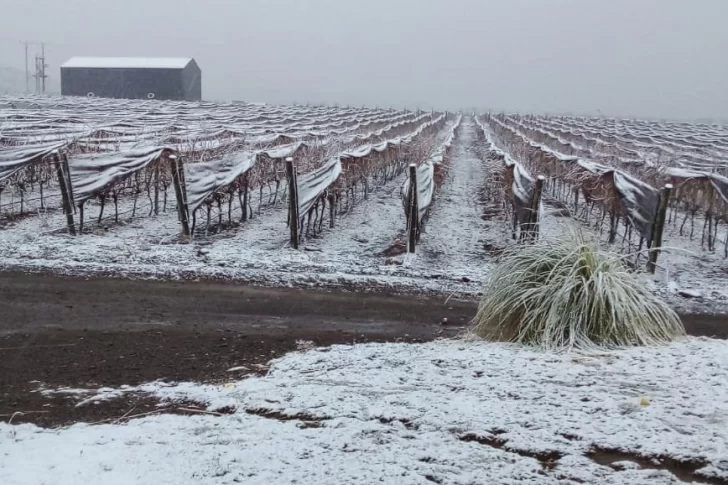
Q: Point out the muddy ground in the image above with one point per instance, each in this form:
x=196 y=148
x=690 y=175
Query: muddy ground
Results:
x=81 y=333
x=87 y=333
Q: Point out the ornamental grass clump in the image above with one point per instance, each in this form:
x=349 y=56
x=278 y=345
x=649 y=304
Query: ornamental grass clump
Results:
x=565 y=293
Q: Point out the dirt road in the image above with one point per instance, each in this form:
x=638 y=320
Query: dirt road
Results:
x=86 y=333
x=108 y=332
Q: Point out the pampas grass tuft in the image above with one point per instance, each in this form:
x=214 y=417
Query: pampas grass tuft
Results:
x=565 y=293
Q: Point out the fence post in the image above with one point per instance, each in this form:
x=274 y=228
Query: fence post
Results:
x=293 y=201
x=413 y=214
x=63 y=182
x=180 y=193
x=658 y=227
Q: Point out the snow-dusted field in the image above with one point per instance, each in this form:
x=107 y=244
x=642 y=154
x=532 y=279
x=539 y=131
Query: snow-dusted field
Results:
x=447 y=412
x=454 y=235
x=451 y=257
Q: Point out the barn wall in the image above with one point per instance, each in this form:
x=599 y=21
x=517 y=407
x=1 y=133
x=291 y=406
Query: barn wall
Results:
x=123 y=83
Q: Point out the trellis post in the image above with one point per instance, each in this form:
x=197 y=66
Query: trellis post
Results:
x=413 y=213
x=69 y=185
x=535 y=204
x=658 y=227
x=293 y=201
x=529 y=228
x=64 y=181
x=156 y=188
x=180 y=192
x=332 y=210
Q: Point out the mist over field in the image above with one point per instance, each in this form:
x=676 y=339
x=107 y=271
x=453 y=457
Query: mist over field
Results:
x=650 y=58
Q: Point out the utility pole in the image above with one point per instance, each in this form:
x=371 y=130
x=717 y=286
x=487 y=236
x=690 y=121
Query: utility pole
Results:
x=36 y=76
x=40 y=75
x=27 y=72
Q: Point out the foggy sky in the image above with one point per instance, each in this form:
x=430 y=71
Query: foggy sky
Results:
x=652 y=58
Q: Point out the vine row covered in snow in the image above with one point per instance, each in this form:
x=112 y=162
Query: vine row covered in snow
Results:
x=116 y=150
x=639 y=175
x=418 y=189
x=341 y=175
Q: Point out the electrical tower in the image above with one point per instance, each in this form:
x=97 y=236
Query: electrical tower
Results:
x=40 y=71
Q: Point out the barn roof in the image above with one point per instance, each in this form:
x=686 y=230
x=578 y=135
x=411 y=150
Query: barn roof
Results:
x=129 y=62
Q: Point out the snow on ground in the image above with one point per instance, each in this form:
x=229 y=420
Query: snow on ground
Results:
x=367 y=230
x=686 y=266
x=447 y=412
x=454 y=234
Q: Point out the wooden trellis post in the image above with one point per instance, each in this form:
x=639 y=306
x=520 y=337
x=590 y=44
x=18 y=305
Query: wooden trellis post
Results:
x=413 y=214
x=535 y=204
x=64 y=181
x=332 y=211
x=69 y=185
x=244 y=199
x=180 y=192
x=658 y=227
x=529 y=227
x=156 y=187
x=293 y=218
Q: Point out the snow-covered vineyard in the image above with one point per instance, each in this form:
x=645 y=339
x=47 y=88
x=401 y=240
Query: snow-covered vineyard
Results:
x=621 y=165
x=130 y=180
x=367 y=198
x=136 y=150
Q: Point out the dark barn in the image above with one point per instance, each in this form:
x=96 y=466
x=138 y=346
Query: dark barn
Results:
x=132 y=78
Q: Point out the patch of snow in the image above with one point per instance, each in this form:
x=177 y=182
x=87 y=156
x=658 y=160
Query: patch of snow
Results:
x=398 y=413
x=237 y=368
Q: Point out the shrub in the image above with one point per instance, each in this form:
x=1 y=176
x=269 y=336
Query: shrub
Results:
x=565 y=293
